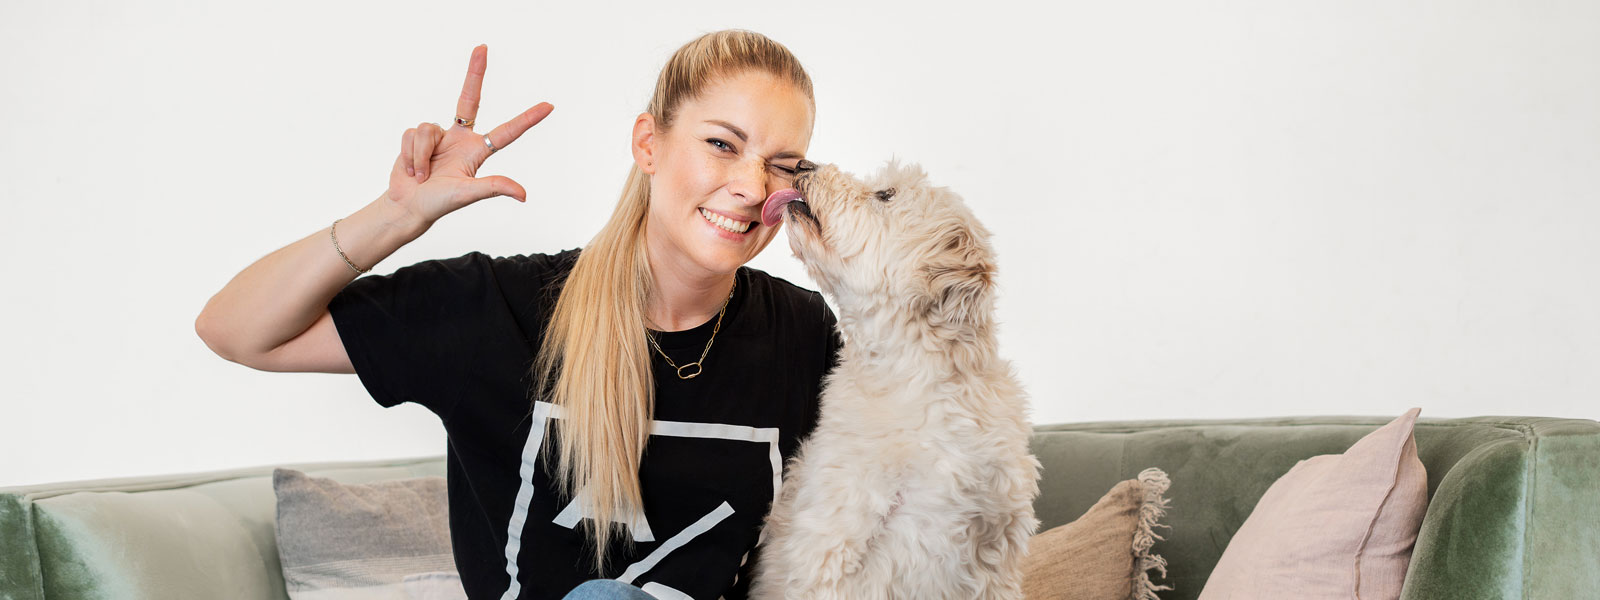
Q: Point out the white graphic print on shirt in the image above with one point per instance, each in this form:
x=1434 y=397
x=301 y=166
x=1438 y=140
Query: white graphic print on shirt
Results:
x=638 y=524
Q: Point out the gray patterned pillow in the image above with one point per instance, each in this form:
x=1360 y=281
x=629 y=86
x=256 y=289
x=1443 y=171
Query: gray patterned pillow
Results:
x=341 y=540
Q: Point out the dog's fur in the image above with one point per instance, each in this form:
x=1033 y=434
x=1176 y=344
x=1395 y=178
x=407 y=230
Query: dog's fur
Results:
x=917 y=482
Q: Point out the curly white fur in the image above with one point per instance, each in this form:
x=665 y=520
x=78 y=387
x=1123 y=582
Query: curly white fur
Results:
x=918 y=481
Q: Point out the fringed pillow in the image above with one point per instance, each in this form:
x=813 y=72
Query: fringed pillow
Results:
x=1104 y=554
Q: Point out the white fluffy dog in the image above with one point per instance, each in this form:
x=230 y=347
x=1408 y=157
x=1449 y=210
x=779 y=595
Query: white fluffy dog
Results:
x=917 y=482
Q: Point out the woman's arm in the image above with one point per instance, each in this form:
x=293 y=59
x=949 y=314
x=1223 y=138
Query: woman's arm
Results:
x=273 y=315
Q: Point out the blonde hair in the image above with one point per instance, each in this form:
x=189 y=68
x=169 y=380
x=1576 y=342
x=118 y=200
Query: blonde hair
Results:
x=595 y=361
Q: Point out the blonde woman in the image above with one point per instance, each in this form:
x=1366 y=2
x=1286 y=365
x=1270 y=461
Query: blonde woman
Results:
x=616 y=412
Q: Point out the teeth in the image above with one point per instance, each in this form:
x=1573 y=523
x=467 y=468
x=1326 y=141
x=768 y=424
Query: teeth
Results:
x=725 y=223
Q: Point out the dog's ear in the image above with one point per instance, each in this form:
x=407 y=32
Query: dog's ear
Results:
x=959 y=276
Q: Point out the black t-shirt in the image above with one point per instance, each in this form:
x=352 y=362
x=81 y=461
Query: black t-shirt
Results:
x=459 y=335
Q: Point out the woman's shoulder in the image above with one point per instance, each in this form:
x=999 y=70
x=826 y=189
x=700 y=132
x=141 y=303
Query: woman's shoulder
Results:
x=562 y=260
x=531 y=267
x=517 y=277
x=794 y=302
x=506 y=264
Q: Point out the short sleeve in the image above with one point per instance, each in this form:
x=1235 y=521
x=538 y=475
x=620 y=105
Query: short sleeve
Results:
x=410 y=334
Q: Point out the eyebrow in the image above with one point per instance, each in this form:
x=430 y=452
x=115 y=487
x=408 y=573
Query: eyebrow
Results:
x=744 y=138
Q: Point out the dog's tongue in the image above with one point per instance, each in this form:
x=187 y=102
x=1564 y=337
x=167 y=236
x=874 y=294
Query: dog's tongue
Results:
x=772 y=211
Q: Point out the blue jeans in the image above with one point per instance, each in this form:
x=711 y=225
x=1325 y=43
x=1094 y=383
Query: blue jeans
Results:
x=606 y=589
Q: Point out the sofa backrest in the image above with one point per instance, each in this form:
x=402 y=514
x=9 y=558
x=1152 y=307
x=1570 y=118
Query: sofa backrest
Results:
x=202 y=535
x=1514 y=502
x=1514 y=508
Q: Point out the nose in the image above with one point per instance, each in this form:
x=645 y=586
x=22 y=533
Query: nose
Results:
x=748 y=183
x=804 y=166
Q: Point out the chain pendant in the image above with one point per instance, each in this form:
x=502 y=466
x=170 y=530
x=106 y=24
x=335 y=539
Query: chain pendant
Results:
x=695 y=364
x=696 y=372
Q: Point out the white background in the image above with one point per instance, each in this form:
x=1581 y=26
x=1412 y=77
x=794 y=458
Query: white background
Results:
x=1202 y=210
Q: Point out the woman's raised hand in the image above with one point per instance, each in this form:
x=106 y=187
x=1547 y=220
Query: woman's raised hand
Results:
x=434 y=174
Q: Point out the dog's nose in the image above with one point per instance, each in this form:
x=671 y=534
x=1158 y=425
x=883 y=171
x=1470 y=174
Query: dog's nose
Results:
x=804 y=166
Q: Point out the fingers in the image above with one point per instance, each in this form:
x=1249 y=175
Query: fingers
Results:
x=400 y=166
x=472 y=89
x=509 y=131
x=405 y=151
x=427 y=136
x=487 y=187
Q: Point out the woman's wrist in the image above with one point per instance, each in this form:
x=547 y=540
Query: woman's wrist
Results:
x=371 y=234
x=396 y=221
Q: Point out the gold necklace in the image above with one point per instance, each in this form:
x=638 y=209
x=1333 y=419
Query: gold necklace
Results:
x=696 y=364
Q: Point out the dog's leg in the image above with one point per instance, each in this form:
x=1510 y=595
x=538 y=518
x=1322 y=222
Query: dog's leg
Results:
x=824 y=536
x=807 y=558
x=998 y=561
x=1000 y=536
x=769 y=579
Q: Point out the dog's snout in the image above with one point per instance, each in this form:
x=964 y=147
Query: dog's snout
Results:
x=802 y=172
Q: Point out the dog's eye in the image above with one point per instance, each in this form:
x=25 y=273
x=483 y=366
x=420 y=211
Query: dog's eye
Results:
x=885 y=195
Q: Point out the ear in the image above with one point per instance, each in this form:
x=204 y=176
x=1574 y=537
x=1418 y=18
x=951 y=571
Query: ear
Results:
x=644 y=142
x=958 y=279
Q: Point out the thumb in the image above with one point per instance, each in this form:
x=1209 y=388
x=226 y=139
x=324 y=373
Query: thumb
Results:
x=495 y=185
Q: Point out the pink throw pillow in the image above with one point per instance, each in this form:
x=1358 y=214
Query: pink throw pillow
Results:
x=1335 y=526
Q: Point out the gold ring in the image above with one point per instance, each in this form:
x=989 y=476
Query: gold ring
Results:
x=464 y=122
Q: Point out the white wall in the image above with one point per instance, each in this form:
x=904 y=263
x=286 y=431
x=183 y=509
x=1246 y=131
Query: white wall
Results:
x=1208 y=210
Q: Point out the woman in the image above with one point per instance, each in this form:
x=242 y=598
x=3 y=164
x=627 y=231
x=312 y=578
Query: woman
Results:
x=555 y=373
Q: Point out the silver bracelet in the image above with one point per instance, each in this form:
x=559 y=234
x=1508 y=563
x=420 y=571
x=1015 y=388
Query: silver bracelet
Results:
x=332 y=234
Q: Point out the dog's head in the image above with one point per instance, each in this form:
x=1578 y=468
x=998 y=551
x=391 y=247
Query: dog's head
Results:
x=891 y=240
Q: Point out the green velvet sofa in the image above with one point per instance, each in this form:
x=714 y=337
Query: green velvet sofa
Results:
x=1514 y=509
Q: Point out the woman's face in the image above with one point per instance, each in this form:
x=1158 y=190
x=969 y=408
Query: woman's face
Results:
x=727 y=150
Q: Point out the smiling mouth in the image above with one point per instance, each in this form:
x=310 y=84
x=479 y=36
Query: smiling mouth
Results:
x=726 y=224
